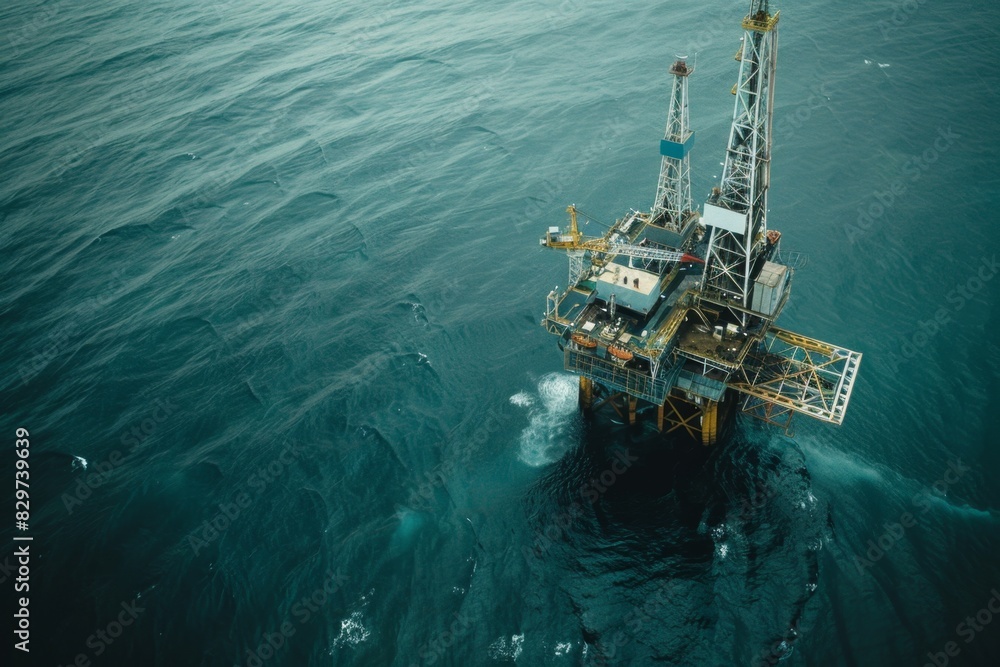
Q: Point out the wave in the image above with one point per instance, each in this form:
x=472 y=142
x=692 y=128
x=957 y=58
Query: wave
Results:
x=553 y=427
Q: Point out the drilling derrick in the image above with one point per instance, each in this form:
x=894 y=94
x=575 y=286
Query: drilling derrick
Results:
x=737 y=210
x=673 y=210
x=657 y=317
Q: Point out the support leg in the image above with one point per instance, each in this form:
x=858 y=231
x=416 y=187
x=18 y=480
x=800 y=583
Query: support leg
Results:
x=586 y=393
x=709 y=423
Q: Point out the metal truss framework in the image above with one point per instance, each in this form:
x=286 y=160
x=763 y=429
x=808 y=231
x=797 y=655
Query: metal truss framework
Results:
x=788 y=371
x=575 y=266
x=673 y=205
x=733 y=252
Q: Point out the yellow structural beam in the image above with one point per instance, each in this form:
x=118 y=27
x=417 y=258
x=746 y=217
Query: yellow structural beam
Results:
x=710 y=423
x=804 y=342
x=586 y=393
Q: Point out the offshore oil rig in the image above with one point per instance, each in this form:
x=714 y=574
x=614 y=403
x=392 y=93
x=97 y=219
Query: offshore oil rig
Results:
x=675 y=310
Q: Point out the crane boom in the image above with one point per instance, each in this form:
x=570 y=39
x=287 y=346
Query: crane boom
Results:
x=571 y=239
x=650 y=253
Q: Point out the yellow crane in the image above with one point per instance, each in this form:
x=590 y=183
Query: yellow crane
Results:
x=615 y=242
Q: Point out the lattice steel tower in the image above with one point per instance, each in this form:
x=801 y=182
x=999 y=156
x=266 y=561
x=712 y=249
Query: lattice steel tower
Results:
x=673 y=208
x=737 y=210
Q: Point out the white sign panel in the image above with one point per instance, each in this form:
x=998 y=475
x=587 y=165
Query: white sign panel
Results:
x=723 y=218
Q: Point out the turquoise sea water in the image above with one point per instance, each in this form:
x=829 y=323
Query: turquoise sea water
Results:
x=269 y=303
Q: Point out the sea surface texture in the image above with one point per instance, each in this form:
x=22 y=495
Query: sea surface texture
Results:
x=270 y=294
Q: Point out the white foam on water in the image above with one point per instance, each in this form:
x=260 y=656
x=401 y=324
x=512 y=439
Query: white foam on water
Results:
x=550 y=432
x=719 y=534
x=559 y=393
x=563 y=648
x=522 y=399
x=79 y=462
x=504 y=648
x=352 y=629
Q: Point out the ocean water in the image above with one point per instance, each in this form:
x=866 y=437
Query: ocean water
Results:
x=270 y=294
